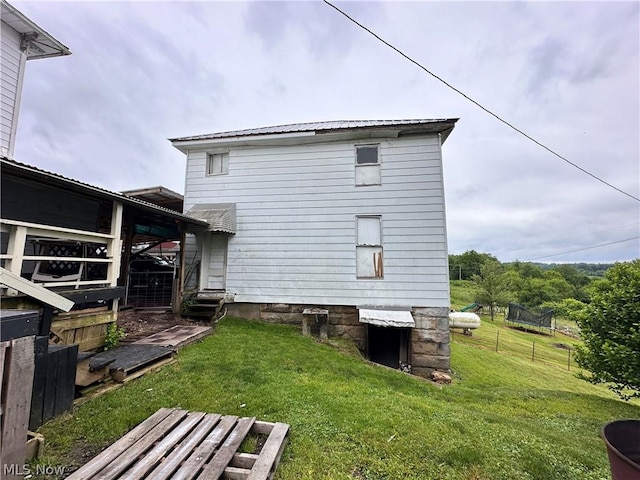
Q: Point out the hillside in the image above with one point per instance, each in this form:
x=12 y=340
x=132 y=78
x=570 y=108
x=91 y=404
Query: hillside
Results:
x=502 y=418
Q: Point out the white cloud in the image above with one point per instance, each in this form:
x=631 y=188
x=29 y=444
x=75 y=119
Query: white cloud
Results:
x=566 y=73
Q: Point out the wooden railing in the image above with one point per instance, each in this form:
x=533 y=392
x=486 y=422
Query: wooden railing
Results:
x=19 y=232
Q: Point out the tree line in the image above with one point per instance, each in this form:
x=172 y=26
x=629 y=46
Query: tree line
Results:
x=529 y=284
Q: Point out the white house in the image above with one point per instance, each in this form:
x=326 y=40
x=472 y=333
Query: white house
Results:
x=346 y=216
x=21 y=40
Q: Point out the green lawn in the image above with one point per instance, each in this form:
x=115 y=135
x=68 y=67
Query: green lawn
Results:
x=462 y=293
x=502 y=418
x=552 y=350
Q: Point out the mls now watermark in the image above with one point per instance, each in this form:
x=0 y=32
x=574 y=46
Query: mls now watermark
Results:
x=15 y=469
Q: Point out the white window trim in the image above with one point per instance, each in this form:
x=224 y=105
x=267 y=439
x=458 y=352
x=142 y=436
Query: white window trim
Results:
x=364 y=245
x=209 y=155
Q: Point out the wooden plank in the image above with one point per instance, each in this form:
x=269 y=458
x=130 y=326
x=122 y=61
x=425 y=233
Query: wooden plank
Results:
x=80 y=321
x=175 y=459
x=79 y=313
x=133 y=451
x=92 y=344
x=235 y=473
x=39 y=380
x=153 y=457
x=243 y=460
x=223 y=456
x=17 y=395
x=204 y=452
x=41 y=230
x=85 y=377
x=49 y=405
x=15 y=250
x=65 y=387
x=31 y=289
x=262 y=428
x=3 y=350
x=90 y=295
x=265 y=465
x=130 y=357
x=111 y=453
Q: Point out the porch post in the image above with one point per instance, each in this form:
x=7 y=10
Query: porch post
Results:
x=114 y=248
x=15 y=250
x=204 y=239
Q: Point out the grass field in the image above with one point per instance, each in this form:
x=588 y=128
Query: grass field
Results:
x=502 y=418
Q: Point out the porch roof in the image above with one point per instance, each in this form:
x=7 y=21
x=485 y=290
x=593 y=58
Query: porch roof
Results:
x=33 y=173
x=221 y=217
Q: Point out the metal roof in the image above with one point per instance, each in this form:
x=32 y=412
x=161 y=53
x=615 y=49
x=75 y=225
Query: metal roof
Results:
x=330 y=126
x=159 y=195
x=75 y=185
x=38 y=43
x=221 y=217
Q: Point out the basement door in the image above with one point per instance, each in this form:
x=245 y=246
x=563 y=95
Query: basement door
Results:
x=215 y=262
x=388 y=345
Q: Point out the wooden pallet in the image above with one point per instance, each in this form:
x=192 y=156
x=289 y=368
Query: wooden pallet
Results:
x=179 y=445
x=125 y=362
x=177 y=336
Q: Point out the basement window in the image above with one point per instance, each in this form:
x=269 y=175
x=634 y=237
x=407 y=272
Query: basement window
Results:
x=217 y=163
x=369 y=260
x=367 y=165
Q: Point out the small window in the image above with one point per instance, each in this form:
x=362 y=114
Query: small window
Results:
x=369 y=258
x=217 y=163
x=367 y=155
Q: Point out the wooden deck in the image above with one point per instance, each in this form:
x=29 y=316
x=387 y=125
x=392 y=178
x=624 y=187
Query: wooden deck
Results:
x=180 y=445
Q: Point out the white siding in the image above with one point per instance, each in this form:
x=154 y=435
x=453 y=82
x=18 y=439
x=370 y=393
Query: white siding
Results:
x=12 y=66
x=296 y=211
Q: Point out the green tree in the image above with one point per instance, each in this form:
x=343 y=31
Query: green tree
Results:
x=576 y=279
x=610 y=328
x=531 y=286
x=468 y=264
x=491 y=286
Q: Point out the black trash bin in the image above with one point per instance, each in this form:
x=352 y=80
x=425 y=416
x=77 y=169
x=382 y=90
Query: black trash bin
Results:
x=622 y=438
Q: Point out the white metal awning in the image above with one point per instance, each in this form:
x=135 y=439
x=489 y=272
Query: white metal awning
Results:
x=220 y=216
x=387 y=318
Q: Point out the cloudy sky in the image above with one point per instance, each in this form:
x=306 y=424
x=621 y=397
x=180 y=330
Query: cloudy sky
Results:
x=566 y=73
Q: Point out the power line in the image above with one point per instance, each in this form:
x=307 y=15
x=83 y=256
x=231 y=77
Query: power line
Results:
x=478 y=104
x=586 y=248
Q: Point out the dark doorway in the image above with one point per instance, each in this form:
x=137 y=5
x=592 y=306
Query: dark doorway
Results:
x=388 y=345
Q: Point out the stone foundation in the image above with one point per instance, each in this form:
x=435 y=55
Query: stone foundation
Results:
x=429 y=349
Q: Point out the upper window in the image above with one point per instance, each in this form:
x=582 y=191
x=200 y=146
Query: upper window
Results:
x=217 y=163
x=367 y=154
x=367 y=165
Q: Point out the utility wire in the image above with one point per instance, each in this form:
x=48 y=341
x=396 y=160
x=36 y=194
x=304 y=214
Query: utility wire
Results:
x=478 y=104
x=586 y=248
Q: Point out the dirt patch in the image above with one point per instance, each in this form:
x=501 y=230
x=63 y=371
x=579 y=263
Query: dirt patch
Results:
x=138 y=323
x=81 y=452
